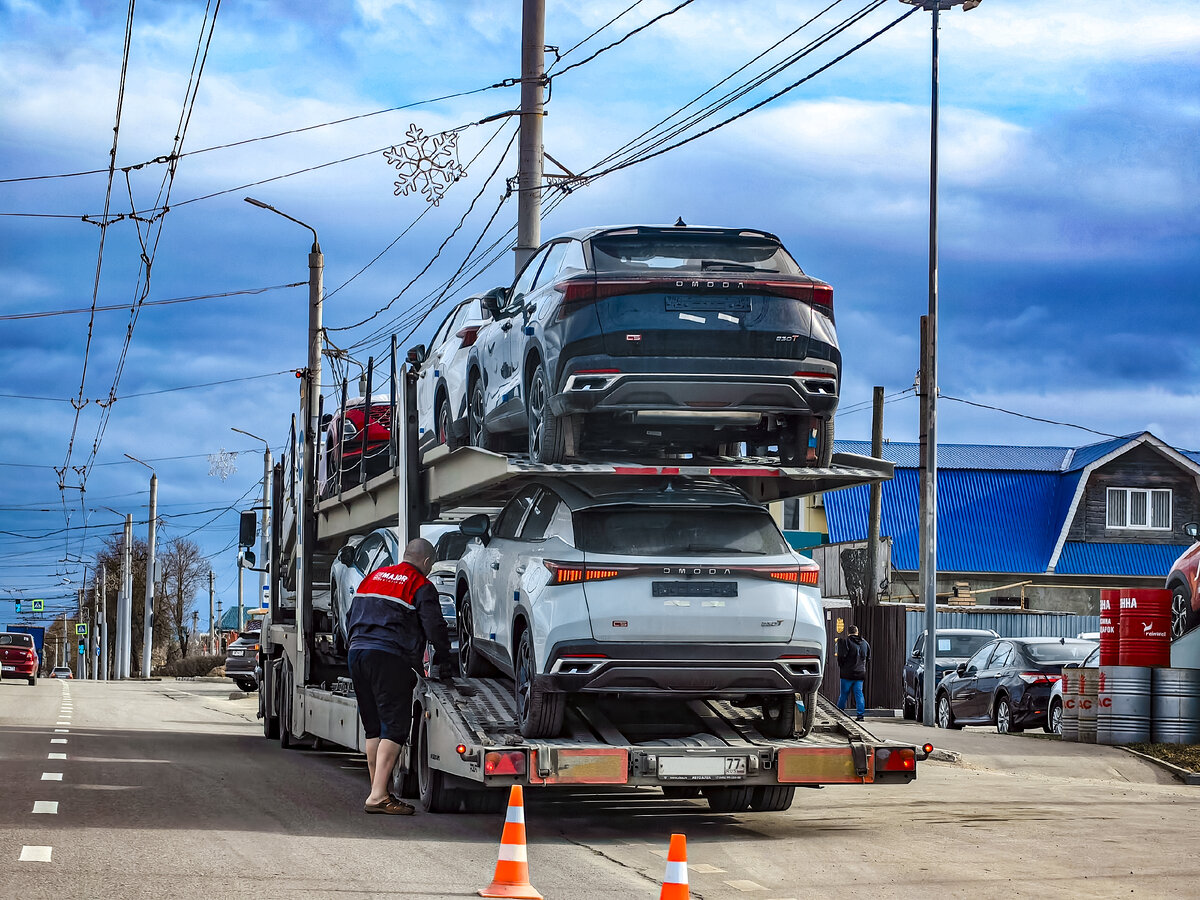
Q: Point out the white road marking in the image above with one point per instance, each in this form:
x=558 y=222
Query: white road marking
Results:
x=56 y=756
x=58 y=740
x=62 y=730
x=46 y=806
x=36 y=854
x=52 y=776
x=704 y=868
x=746 y=885
x=60 y=722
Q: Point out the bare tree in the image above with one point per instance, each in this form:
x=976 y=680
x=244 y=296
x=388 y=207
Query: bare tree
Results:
x=109 y=556
x=183 y=568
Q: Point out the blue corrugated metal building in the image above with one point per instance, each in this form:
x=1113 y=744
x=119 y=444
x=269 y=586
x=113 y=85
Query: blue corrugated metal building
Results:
x=1003 y=510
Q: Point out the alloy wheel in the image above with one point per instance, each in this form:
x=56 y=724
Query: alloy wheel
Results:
x=476 y=414
x=537 y=414
x=943 y=712
x=443 y=423
x=1056 y=719
x=1003 y=717
x=466 y=633
x=524 y=676
x=1181 y=610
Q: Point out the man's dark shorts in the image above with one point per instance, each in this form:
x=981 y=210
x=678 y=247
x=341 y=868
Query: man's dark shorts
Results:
x=383 y=685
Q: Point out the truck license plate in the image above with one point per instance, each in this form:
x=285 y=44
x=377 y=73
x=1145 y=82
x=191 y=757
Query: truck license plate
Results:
x=701 y=767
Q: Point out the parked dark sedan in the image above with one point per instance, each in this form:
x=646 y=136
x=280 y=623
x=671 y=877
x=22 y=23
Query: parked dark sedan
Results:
x=1007 y=683
x=954 y=646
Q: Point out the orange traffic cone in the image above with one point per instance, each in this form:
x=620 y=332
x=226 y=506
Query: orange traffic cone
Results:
x=675 y=883
x=512 y=869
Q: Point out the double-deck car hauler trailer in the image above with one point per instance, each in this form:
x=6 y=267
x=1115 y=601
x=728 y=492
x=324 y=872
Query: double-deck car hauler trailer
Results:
x=466 y=745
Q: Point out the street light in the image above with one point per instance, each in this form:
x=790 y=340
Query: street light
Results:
x=266 y=502
x=927 y=565
x=148 y=614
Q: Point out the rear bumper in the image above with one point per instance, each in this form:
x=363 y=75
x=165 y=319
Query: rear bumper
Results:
x=700 y=387
x=19 y=670
x=725 y=671
x=241 y=667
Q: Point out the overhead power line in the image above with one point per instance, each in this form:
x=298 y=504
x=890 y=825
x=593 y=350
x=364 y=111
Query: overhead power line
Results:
x=624 y=38
x=45 y=314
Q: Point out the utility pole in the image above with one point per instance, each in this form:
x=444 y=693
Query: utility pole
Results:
x=80 y=658
x=124 y=603
x=241 y=607
x=148 y=615
x=529 y=164
x=104 y=623
x=263 y=560
x=194 y=637
x=212 y=621
x=875 y=509
x=217 y=648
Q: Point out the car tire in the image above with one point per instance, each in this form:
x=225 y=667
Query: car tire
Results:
x=1183 y=618
x=435 y=795
x=1003 y=717
x=405 y=782
x=825 y=443
x=539 y=712
x=1054 y=718
x=729 y=799
x=778 y=716
x=547 y=432
x=33 y=681
x=286 y=740
x=477 y=433
x=270 y=723
x=945 y=716
x=445 y=423
x=772 y=798
x=909 y=708
x=470 y=663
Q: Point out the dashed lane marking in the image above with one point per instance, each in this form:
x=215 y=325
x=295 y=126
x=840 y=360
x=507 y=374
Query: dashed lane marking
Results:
x=36 y=854
x=58 y=740
x=746 y=885
x=56 y=756
x=50 y=807
x=704 y=868
x=52 y=776
x=62 y=730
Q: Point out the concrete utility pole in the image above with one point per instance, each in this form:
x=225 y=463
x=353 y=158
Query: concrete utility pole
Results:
x=127 y=615
x=876 y=503
x=104 y=623
x=148 y=614
x=529 y=160
x=212 y=620
x=194 y=638
x=80 y=658
x=266 y=512
x=217 y=649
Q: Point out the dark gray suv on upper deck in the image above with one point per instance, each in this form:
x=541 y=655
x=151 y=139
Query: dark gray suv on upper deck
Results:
x=670 y=337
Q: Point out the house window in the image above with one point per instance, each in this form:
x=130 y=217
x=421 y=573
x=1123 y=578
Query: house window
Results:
x=1139 y=508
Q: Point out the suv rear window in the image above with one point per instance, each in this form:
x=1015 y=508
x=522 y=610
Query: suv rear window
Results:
x=678 y=532
x=16 y=640
x=622 y=253
x=1052 y=653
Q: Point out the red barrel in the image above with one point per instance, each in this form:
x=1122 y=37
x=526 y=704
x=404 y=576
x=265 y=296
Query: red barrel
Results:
x=1145 y=627
x=1110 y=605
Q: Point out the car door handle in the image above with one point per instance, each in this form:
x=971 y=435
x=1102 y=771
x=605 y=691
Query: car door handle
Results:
x=496 y=565
x=531 y=309
x=507 y=326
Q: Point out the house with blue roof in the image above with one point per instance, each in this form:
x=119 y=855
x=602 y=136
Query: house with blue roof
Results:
x=1044 y=527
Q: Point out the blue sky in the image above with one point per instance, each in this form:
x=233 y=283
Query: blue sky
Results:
x=1069 y=215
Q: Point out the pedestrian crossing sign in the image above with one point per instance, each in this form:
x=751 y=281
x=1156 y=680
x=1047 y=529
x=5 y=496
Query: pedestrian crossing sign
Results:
x=37 y=605
x=81 y=628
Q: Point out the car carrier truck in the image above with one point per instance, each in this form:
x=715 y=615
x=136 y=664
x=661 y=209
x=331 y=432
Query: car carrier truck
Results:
x=466 y=748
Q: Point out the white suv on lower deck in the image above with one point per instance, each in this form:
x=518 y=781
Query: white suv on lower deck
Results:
x=675 y=587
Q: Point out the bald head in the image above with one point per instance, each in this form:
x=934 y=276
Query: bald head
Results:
x=420 y=553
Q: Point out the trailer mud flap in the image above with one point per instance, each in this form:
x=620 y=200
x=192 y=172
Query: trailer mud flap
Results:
x=597 y=765
x=825 y=765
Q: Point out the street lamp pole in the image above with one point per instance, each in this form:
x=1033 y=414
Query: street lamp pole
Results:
x=148 y=614
x=927 y=564
x=263 y=564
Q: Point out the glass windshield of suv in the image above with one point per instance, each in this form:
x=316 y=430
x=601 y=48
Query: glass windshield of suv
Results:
x=1058 y=653
x=630 y=253
x=961 y=646
x=678 y=532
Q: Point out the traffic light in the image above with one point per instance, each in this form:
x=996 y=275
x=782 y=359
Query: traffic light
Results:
x=247 y=526
x=81 y=648
x=18 y=602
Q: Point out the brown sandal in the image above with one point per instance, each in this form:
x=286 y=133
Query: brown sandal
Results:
x=389 y=807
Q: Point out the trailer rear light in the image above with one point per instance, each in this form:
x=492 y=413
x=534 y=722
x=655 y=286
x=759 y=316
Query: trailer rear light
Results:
x=900 y=759
x=1038 y=677
x=575 y=573
x=504 y=762
x=460 y=749
x=467 y=334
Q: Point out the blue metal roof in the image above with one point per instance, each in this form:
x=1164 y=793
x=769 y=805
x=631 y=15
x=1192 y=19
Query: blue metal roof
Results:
x=987 y=521
x=1082 y=457
x=1149 y=560
x=968 y=456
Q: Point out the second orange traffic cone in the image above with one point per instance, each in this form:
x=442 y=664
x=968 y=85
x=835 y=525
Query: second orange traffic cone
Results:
x=675 y=882
x=512 y=869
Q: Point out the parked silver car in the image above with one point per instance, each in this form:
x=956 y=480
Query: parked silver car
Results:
x=442 y=376
x=676 y=587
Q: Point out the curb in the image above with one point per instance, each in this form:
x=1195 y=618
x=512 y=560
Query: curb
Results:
x=1185 y=775
x=950 y=756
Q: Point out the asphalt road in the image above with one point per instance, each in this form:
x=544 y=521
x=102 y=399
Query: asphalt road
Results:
x=168 y=789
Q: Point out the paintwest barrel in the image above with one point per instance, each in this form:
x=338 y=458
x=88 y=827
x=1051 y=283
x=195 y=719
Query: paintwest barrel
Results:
x=1110 y=608
x=1089 y=684
x=1145 y=627
x=1175 y=706
x=1070 y=705
x=1123 y=705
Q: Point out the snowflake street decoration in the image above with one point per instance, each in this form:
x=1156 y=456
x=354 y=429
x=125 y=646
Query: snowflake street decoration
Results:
x=222 y=464
x=426 y=162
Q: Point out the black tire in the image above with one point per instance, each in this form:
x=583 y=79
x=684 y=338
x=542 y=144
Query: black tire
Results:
x=487 y=801
x=435 y=796
x=539 y=712
x=286 y=740
x=33 y=681
x=246 y=685
x=270 y=723
x=945 y=716
x=547 y=432
x=772 y=798
x=477 y=433
x=909 y=708
x=445 y=423
x=470 y=663
x=404 y=783
x=1183 y=619
x=1054 y=718
x=1003 y=717
x=680 y=792
x=778 y=716
x=729 y=799
x=825 y=443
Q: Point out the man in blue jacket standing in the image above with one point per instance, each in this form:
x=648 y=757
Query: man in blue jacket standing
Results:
x=853 y=655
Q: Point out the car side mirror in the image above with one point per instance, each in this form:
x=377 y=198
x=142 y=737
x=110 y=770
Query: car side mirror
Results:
x=962 y=669
x=417 y=354
x=1192 y=530
x=477 y=526
x=346 y=555
x=916 y=654
x=493 y=300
